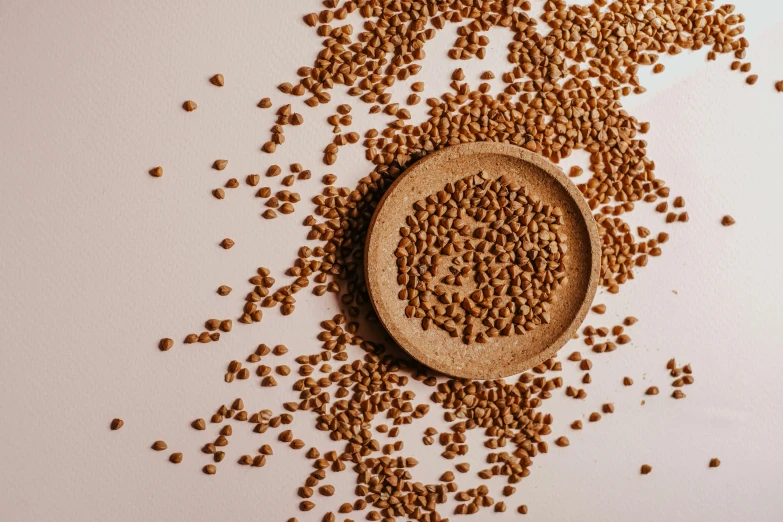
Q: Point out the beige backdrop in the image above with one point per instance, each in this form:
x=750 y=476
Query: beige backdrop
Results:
x=99 y=260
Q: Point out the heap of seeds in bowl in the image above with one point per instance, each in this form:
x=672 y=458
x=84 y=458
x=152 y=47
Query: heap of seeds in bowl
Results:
x=481 y=258
x=561 y=91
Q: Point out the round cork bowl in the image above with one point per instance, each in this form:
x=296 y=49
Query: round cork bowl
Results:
x=500 y=356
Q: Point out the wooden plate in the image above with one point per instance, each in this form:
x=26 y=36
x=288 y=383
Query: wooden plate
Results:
x=504 y=355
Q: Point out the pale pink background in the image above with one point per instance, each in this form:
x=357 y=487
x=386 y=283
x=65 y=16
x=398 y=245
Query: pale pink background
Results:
x=99 y=261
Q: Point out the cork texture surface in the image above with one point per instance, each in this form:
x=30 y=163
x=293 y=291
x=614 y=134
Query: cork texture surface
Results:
x=503 y=355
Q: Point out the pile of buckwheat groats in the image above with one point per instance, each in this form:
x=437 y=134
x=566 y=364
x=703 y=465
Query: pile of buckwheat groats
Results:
x=503 y=253
x=567 y=74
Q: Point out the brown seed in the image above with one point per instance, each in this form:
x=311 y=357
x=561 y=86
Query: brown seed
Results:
x=311 y=19
x=576 y=425
x=727 y=221
x=595 y=416
x=678 y=394
x=156 y=172
x=212 y=324
x=652 y=390
x=599 y=309
x=266 y=449
x=190 y=106
x=258 y=461
x=217 y=80
x=463 y=467
x=116 y=424
x=326 y=491
x=224 y=290
x=306 y=505
x=562 y=442
x=448 y=476
x=752 y=79
x=227 y=243
x=522 y=509
x=159 y=445
x=646 y=469
x=627 y=381
x=265 y=103
x=220 y=164
x=165 y=344
x=209 y=469
x=714 y=463
x=175 y=458
x=779 y=86
x=608 y=408
x=219 y=193
x=245 y=460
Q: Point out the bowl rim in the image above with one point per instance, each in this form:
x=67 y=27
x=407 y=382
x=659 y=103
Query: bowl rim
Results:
x=556 y=175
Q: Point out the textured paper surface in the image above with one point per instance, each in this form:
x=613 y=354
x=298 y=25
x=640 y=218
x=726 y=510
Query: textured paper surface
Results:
x=99 y=261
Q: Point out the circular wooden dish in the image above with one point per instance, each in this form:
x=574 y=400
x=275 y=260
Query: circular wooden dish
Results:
x=503 y=355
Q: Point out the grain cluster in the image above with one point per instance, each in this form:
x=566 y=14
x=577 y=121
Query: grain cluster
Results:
x=481 y=258
x=478 y=259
